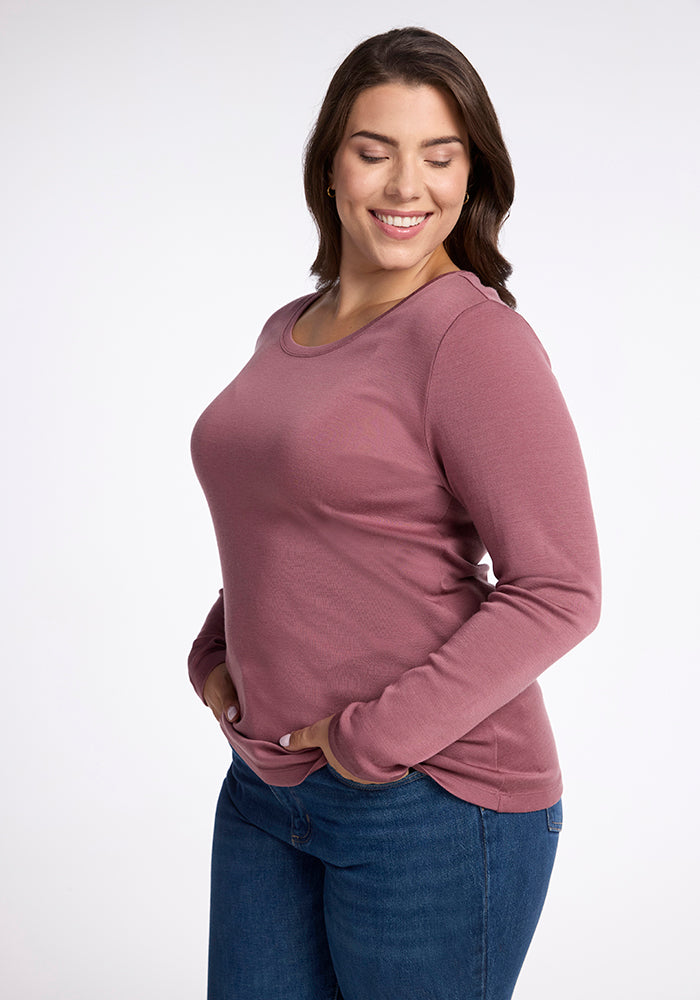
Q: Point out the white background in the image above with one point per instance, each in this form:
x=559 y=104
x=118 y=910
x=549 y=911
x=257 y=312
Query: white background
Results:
x=152 y=217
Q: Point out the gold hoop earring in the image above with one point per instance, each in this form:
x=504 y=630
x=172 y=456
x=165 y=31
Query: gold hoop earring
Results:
x=465 y=200
x=330 y=191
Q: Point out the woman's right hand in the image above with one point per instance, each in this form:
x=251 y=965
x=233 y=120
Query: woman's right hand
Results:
x=220 y=694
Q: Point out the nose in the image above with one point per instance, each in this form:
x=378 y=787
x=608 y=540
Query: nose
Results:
x=405 y=182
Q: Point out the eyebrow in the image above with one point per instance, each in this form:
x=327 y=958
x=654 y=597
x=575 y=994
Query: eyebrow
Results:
x=440 y=141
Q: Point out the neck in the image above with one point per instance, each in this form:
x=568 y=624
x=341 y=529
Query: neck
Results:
x=357 y=290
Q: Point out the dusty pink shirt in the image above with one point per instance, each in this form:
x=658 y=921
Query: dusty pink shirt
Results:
x=355 y=488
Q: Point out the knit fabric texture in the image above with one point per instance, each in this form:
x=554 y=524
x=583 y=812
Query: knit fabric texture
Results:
x=356 y=488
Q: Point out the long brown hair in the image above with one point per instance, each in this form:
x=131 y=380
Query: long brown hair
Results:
x=416 y=56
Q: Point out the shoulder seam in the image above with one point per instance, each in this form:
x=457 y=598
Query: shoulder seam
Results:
x=475 y=305
x=485 y=301
x=479 y=287
x=430 y=381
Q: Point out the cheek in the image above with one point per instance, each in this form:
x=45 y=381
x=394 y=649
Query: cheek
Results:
x=452 y=205
x=346 y=176
x=454 y=190
x=451 y=198
x=352 y=199
x=353 y=185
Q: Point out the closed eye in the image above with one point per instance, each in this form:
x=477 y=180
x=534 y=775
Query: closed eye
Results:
x=366 y=158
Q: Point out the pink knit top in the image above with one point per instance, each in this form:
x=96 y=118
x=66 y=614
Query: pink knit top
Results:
x=355 y=489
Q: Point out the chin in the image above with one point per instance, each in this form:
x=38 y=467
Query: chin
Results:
x=405 y=262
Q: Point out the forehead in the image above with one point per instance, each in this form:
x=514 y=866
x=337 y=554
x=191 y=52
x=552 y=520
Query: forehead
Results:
x=406 y=109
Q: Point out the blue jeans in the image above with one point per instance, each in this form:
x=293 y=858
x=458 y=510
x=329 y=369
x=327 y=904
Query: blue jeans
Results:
x=334 y=890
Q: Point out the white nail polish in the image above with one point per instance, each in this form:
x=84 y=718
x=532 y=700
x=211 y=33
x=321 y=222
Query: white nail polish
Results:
x=231 y=713
x=284 y=742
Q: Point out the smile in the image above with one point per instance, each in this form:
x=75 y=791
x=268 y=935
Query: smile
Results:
x=400 y=227
x=401 y=221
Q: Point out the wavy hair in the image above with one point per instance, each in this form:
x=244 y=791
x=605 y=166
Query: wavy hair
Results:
x=416 y=56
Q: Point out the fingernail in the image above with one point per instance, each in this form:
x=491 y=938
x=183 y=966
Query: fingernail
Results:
x=284 y=742
x=231 y=713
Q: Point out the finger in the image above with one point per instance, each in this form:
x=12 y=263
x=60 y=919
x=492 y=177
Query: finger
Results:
x=219 y=691
x=216 y=705
x=225 y=705
x=230 y=703
x=298 y=740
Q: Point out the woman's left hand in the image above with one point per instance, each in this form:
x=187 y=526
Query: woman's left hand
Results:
x=316 y=735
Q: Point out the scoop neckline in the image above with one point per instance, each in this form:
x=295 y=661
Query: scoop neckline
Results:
x=290 y=345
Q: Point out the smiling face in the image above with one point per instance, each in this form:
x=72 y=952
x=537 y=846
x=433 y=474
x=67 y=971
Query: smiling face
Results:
x=400 y=177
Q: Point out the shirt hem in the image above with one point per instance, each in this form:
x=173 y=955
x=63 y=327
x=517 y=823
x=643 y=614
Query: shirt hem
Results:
x=291 y=772
x=499 y=800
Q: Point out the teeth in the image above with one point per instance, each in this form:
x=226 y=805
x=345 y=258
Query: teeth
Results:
x=402 y=221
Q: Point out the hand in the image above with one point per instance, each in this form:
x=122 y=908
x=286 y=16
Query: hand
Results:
x=317 y=736
x=220 y=694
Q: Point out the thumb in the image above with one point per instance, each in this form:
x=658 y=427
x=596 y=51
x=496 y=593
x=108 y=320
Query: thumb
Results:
x=300 y=739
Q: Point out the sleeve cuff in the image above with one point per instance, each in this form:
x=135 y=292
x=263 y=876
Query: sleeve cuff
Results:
x=366 y=765
x=200 y=672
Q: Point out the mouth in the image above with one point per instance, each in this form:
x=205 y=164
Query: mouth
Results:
x=400 y=226
x=400 y=221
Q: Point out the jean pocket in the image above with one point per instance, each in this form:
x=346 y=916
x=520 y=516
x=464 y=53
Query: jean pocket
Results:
x=375 y=786
x=555 y=817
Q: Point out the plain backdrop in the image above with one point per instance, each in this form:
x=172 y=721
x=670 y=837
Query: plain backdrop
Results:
x=152 y=217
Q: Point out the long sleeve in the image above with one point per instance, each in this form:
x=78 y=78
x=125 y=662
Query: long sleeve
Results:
x=502 y=439
x=209 y=648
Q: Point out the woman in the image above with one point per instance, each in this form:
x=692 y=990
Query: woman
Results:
x=389 y=822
